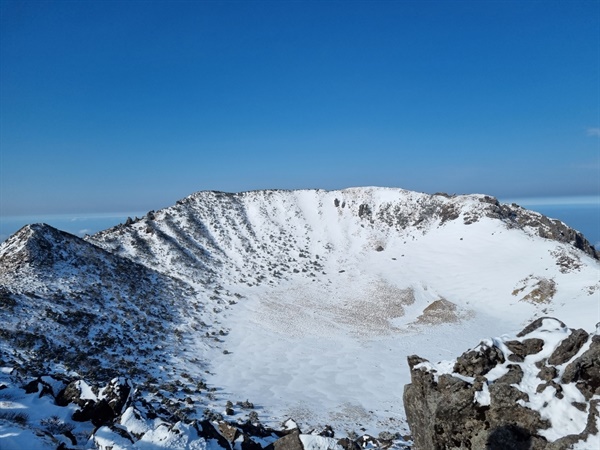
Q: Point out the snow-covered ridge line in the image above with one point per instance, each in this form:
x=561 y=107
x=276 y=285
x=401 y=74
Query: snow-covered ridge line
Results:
x=211 y=230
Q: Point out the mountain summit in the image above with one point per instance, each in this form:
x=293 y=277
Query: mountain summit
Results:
x=304 y=302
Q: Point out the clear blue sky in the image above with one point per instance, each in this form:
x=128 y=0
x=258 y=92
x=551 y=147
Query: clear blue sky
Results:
x=111 y=106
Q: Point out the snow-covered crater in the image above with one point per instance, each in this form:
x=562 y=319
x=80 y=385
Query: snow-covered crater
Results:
x=306 y=302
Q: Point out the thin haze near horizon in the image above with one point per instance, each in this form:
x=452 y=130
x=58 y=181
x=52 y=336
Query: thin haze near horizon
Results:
x=129 y=106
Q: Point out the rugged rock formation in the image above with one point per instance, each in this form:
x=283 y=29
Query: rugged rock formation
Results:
x=538 y=390
x=545 y=227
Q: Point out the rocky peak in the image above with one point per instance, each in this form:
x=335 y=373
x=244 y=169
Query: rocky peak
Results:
x=33 y=242
x=43 y=246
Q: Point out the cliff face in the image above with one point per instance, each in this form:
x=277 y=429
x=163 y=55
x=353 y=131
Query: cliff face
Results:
x=537 y=390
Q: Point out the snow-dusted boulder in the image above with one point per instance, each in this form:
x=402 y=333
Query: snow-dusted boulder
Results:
x=537 y=390
x=99 y=407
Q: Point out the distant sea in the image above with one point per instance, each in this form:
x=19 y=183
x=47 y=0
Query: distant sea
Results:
x=580 y=213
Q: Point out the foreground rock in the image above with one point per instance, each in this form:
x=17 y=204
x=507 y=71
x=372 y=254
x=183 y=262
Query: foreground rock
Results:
x=537 y=390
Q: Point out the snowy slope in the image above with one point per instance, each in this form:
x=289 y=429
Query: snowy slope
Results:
x=308 y=302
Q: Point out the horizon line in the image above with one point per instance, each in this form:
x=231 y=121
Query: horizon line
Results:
x=567 y=200
x=74 y=217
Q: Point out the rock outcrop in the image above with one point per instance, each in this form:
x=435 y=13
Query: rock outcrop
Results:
x=537 y=390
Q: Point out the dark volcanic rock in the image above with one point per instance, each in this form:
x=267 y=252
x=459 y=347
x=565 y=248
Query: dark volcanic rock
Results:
x=568 y=347
x=513 y=376
x=98 y=413
x=478 y=361
x=117 y=394
x=547 y=373
x=208 y=432
x=521 y=349
x=437 y=412
x=348 y=444
x=364 y=211
x=585 y=370
x=289 y=442
x=509 y=436
x=114 y=399
x=249 y=444
x=229 y=432
x=71 y=394
x=537 y=324
x=515 y=216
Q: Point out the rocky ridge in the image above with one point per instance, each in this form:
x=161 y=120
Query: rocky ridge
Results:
x=76 y=305
x=206 y=231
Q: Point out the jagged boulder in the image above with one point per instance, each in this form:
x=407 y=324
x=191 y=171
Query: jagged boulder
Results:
x=585 y=370
x=207 y=431
x=77 y=392
x=568 y=347
x=509 y=393
x=289 y=442
x=117 y=394
x=45 y=385
x=478 y=361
